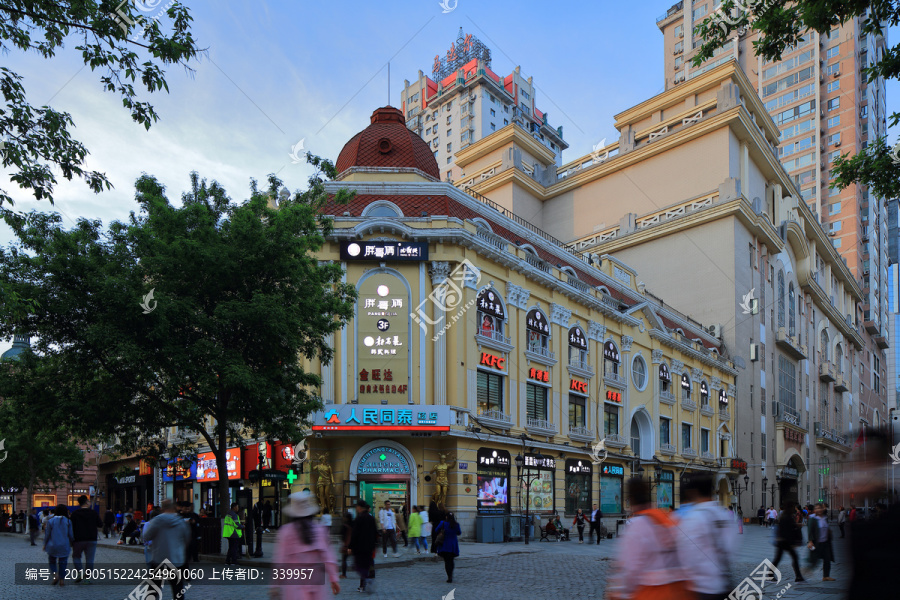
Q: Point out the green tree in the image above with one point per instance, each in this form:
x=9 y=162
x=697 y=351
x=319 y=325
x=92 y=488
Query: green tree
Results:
x=41 y=451
x=781 y=24
x=126 y=45
x=196 y=316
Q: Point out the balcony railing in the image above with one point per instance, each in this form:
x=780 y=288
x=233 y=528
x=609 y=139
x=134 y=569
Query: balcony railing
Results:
x=724 y=415
x=706 y=409
x=688 y=404
x=824 y=435
x=582 y=434
x=491 y=238
x=493 y=339
x=826 y=371
x=707 y=456
x=785 y=414
x=666 y=397
x=542 y=426
x=841 y=384
x=666 y=449
x=495 y=418
x=613 y=379
x=581 y=365
x=541 y=355
x=536 y=262
x=615 y=440
x=689 y=453
x=790 y=344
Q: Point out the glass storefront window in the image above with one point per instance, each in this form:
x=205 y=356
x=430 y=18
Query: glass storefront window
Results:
x=576 y=411
x=489 y=389
x=610 y=495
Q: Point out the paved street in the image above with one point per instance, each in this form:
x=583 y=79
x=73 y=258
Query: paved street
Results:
x=541 y=570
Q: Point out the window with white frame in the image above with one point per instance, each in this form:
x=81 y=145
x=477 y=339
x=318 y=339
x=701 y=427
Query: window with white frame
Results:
x=538 y=330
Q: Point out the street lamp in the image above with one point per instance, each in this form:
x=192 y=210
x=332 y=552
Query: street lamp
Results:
x=527 y=478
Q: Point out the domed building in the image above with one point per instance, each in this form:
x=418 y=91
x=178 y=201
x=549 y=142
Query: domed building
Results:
x=483 y=350
x=21 y=343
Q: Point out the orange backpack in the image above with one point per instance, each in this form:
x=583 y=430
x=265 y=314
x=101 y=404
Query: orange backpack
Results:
x=677 y=590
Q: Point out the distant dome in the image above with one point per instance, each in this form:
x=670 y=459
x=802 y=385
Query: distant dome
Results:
x=21 y=343
x=387 y=143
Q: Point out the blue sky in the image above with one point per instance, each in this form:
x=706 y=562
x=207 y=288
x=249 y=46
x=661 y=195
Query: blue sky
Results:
x=280 y=71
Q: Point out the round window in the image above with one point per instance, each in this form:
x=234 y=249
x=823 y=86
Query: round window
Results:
x=639 y=372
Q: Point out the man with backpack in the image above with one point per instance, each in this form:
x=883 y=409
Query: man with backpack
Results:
x=648 y=564
x=709 y=541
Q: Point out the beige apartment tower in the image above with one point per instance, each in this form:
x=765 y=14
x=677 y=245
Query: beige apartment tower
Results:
x=823 y=106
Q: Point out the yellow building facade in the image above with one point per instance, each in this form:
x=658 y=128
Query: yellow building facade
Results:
x=479 y=339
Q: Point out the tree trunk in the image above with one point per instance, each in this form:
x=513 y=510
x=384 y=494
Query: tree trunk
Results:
x=222 y=469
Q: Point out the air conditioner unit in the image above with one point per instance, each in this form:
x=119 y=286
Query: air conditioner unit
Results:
x=681 y=34
x=836 y=74
x=716 y=331
x=754 y=352
x=832 y=233
x=837 y=143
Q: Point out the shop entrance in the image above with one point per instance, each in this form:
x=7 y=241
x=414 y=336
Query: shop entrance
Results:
x=375 y=491
x=275 y=494
x=385 y=470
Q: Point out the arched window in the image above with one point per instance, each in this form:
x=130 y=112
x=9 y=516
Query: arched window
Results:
x=382 y=208
x=685 y=387
x=610 y=358
x=635 y=438
x=665 y=378
x=538 y=329
x=578 y=347
x=704 y=394
x=792 y=323
x=491 y=315
x=839 y=359
x=823 y=345
x=780 y=293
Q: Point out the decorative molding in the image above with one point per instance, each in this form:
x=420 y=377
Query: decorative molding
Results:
x=517 y=296
x=677 y=367
x=715 y=383
x=471 y=278
x=627 y=340
x=596 y=331
x=656 y=356
x=696 y=374
x=439 y=272
x=732 y=390
x=560 y=315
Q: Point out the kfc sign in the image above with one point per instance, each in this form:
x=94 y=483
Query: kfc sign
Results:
x=578 y=386
x=489 y=360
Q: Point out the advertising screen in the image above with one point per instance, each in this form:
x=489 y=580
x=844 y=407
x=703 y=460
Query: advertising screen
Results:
x=493 y=493
x=207 y=469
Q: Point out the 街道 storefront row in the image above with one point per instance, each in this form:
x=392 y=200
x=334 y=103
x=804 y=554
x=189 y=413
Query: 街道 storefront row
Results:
x=478 y=339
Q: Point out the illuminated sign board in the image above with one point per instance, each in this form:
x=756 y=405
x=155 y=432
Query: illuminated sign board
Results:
x=362 y=417
x=578 y=386
x=489 y=360
x=577 y=339
x=614 y=396
x=384 y=251
x=208 y=469
x=610 y=352
x=573 y=465
x=383 y=460
x=664 y=373
x=539 y=375
x=613 y=470
x=685 y=382
x=383 y=339
x=738 y=464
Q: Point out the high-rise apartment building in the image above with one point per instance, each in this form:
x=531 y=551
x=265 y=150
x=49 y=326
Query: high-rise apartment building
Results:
x=819 y=98
x=464 y=101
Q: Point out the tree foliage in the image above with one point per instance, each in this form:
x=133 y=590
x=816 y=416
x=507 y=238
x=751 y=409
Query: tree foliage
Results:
x=781 y=24
x=41 y=451
x=239 y=299
x=120 y=39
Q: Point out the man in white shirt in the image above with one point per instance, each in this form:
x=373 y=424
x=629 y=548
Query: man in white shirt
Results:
x=388 y=521
x=596 y=515
x=709 y=542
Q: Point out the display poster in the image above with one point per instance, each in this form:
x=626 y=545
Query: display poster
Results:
x=493 y=481
x=611 y=495
x=665 y=490
x=541 y=493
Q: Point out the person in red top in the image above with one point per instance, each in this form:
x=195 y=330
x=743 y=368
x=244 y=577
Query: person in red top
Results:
x=853 y=514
